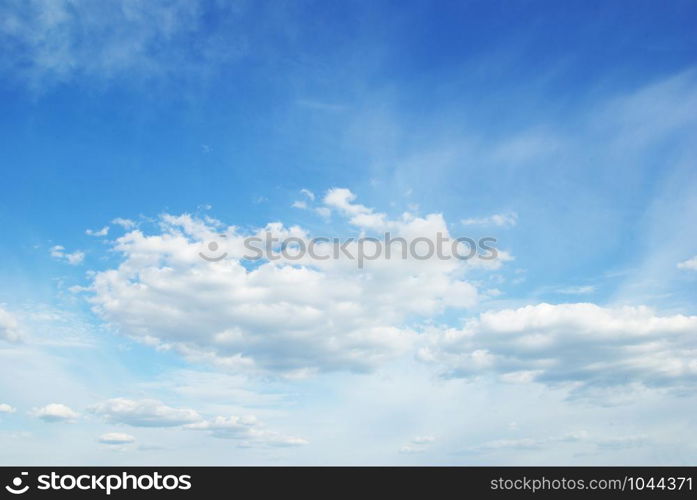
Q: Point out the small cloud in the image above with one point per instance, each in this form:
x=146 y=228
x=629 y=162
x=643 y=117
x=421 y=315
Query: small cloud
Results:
x=623 y=442
x=74 y=258
x=247 y=430
x=321 y=105
x=206 y=148
x=124 y=223
x=116 y=438
x=690 y=264
x=577 y=290
x=323 y=212
x=102 y=232
x=310 y=195
x=55 y=412
x=302 y=205
x=423 y=440
x=5 y=408
x=500 y=220
x=144 y=413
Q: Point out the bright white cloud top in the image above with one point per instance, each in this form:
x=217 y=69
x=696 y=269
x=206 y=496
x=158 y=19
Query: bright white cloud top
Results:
x=295 y=320
x=5 y=408
x=55 y=412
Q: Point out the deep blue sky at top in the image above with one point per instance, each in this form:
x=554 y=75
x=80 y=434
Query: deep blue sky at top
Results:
x=322 y=94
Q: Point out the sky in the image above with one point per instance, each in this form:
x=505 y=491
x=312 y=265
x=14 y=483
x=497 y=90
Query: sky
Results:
x=135 y=133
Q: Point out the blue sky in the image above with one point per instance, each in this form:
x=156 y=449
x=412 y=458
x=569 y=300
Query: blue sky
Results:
x=565 y=130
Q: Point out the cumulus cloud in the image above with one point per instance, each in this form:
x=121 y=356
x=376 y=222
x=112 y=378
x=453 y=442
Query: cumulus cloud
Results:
x=5 y=408
x=56 y=412
x=690 y=264
x=509 y=219
x=294 y=317
x=74 y=258
x=143 y=413
x=9 y=326
x=584 y=345
x=248 y=430
x=116 y=438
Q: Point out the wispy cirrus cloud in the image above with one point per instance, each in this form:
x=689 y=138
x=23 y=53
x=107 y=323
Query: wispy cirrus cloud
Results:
x=508 y=219
x=50 y=42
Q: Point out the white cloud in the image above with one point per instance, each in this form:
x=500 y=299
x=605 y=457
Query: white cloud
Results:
x=584 y=345
x=310 y=195
x=116 y=438
x=9 y=326
x=124 y=223
x=74 y=258
x=55 y=412
x=248 y=430
x=290 y=317
x=5 y=408
x=341 y=199
x=689 y=264
x=501 y=220
x=577 y=290
x=323 y=212
x=423 y=440
x=302 y=205
x=102 y=232
x=144 y=413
